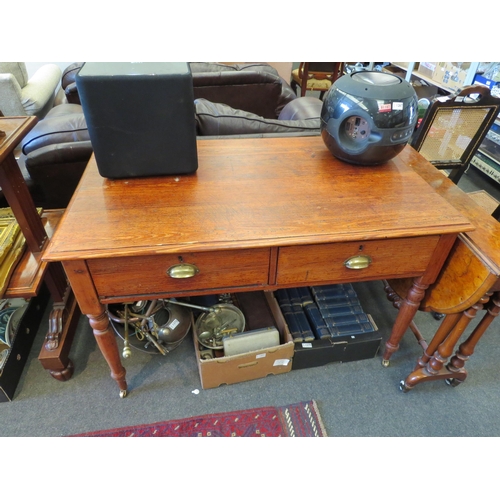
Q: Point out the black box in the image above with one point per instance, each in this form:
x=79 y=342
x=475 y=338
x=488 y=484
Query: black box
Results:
x=140 y=117
x=355 y=339
x=21 y=346
x=340 y=349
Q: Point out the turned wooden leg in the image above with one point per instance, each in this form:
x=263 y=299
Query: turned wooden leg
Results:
x=396 y=302
x=407 y=310
x=445 y=349
x=449 y=322
x=88 y=300
x=106 y=340
x=466 y=349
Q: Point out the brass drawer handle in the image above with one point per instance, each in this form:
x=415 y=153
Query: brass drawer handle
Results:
x=182 y=271
x=358 y=262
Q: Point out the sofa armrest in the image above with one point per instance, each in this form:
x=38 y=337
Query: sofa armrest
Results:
x=10 y=96
x=71 y=92
x=69 y=74
x=58 y=127
x=41 y=88
x=68 y=82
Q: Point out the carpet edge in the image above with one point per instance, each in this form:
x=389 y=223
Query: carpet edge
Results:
x=318 y=417
x=305 y=411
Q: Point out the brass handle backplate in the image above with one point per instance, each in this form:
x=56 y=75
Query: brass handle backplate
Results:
x=358 y=262
x=182 y=271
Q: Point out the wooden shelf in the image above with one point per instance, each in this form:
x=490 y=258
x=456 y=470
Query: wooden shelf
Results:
x=27 y=278
x=411 y=72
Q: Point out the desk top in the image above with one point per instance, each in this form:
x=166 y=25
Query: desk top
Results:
x=250 y=193
x=485 y=239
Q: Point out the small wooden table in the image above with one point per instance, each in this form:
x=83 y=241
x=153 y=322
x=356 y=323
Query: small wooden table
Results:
x=259 y=214
x=469 y=281
x=31 y=271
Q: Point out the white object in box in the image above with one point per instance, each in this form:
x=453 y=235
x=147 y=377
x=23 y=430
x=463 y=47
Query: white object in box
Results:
x=242 y=342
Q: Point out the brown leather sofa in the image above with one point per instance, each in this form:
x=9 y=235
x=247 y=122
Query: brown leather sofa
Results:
x=68 y=82
x=54 y=155
x=253 y=87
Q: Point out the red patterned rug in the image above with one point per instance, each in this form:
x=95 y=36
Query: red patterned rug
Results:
x=295 y=420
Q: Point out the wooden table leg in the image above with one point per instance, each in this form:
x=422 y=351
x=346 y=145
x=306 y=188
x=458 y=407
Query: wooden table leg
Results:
x=446 y=326
x=396 y=302
x=106 y=340
x=88 y=300
x=407 y=310
x=410 y=305
x=467 y=347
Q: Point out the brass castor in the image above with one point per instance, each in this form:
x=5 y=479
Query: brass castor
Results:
x=385 y=362
x=452 y=382
x=402 y=386
x=123 y=393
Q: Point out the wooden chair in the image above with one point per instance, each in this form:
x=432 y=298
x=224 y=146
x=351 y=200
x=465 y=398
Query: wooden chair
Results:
x=453 y=128
x=316 y=76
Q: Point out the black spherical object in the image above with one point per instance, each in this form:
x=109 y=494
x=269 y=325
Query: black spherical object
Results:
x=368 y=117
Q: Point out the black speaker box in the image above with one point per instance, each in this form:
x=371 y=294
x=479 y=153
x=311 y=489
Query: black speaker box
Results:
x=140 y=117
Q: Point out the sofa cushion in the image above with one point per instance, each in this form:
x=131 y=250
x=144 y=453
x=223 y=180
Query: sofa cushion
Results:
x=64 y=123
x=219 y=119
x=253 y=87
x=252 y=91
x=302 y=108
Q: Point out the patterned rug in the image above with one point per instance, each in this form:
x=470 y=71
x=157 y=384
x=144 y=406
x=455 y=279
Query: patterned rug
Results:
x=295 y=420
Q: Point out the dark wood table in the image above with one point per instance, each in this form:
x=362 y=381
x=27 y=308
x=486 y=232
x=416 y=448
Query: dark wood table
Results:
x=259 y=214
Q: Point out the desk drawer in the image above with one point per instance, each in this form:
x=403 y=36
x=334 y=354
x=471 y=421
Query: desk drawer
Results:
x=123 y=276
x=309 y=264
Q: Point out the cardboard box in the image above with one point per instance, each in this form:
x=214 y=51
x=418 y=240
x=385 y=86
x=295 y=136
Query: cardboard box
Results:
x=427 y=69
x=450 y=75
x=252 y=365
x=13 y=365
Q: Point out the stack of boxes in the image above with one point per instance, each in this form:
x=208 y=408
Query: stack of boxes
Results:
x=327 y=324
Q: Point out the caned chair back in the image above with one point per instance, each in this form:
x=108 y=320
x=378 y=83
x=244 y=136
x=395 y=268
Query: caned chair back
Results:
x=453 y=128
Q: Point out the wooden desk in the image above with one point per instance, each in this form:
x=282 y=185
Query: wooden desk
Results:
x=259 y=214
